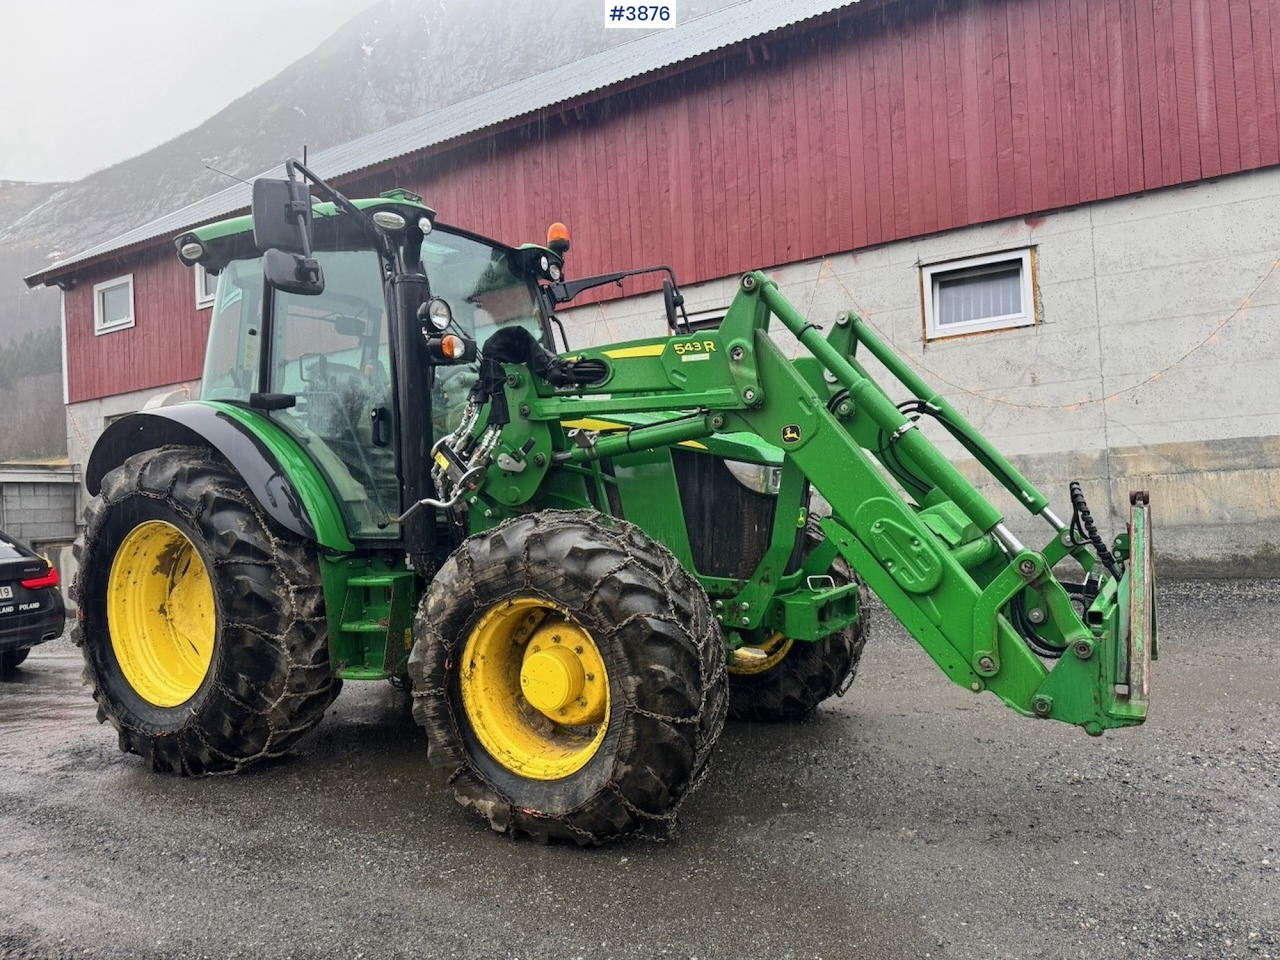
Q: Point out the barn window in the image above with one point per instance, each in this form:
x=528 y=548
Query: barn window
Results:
x=994 y=292
x=206 y=287
x=113 y=304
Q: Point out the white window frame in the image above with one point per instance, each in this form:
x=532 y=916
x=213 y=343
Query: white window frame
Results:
x=930 y=275
x=203 y=300
x=99 y=325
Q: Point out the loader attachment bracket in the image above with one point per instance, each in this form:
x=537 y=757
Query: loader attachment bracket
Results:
x=1113 y=683
x=1141 y=648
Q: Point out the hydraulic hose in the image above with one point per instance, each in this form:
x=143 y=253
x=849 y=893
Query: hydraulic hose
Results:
x=1083 y=528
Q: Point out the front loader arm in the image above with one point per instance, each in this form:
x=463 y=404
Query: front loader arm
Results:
x=939 y=556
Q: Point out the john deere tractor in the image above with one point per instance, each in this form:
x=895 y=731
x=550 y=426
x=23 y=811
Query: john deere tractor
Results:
x=580 y=561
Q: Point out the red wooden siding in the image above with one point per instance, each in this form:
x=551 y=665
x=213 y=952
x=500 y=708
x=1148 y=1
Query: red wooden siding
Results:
x=166 y=343
x=883 y=125
x=875 y=125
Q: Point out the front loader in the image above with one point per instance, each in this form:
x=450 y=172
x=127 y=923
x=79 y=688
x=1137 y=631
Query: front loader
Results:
x=581 y=561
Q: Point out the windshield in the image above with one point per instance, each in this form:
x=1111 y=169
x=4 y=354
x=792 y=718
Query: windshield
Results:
x=477 y=282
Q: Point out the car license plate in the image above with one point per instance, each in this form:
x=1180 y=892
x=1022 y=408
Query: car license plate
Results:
x=6 y=593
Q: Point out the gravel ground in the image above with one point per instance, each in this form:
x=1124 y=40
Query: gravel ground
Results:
x=908 y=820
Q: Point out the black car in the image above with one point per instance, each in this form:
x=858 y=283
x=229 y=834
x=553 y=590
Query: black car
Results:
x=31 y=608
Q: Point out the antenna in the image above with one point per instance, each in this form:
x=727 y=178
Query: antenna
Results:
x=225 y=174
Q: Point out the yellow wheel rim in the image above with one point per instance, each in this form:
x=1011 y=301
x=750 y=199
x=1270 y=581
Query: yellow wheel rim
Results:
x=751 y=660
x=160 y=613
x=535 y=689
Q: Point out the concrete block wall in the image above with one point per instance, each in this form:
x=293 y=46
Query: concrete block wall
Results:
x=39 y=505
x=36 y=511
x=1153 y=364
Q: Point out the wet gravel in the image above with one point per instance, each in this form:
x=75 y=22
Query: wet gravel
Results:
x=908 y=820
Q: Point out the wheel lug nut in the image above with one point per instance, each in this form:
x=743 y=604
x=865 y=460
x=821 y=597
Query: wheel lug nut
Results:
x=577 y=650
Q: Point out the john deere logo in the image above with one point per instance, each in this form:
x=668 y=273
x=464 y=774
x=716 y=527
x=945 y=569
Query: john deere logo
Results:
x=791 y=433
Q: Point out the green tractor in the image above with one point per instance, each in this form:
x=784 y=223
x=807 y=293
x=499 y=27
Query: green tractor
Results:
x=581 y=561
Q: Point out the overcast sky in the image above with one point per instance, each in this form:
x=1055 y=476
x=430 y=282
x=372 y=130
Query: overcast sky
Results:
x=87 y=83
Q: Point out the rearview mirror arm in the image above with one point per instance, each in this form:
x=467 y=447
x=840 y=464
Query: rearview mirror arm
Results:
x=566 y=291
x=361 y=219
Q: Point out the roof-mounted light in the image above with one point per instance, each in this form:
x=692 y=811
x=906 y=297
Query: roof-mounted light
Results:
x=389 y=220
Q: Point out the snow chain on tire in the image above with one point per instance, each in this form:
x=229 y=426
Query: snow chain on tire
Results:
x=664 y=659
x=268 y=680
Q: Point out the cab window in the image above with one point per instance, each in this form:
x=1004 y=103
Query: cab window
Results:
x=332 y=354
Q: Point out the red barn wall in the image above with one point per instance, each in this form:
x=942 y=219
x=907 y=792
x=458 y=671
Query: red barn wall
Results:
x=164 y=346
x=883 y=125
x=873 y=126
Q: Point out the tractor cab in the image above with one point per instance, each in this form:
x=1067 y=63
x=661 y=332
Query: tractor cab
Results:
x=319 y=347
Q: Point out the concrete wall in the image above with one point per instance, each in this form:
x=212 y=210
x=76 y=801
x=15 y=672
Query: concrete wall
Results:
x=40 y=506
x=1153 y=365
x=86 y=420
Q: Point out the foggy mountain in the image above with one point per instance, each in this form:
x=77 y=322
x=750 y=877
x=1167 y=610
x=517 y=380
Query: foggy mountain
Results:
x=398 y=60
x=395 y=61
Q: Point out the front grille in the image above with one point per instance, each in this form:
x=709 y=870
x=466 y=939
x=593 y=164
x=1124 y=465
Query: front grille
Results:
x=729 y=526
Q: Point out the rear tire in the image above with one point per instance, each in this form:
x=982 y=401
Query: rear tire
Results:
x=10 y=659
x=620 y=746
x=796 y=676
x=203 y=626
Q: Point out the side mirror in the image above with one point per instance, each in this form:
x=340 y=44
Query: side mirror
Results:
x=292 y=273
x=276 y=206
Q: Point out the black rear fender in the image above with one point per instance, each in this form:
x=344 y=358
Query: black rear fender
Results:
x=194 y=424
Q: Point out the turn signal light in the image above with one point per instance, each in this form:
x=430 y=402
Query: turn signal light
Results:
x=451 y=348
x=49 y=579
x=558 y=238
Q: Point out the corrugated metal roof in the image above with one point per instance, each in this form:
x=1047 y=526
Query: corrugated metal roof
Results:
x=730 y=25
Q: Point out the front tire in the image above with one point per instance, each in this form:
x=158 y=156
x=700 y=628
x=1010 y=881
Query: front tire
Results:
x=786 y=679
x=203 y=627
x=571 y=674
